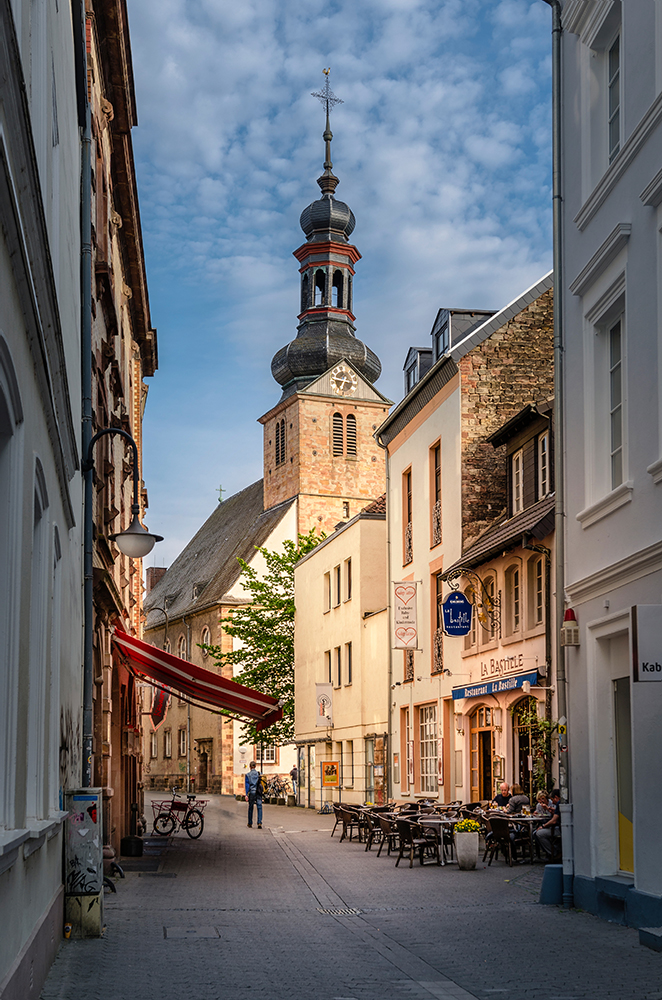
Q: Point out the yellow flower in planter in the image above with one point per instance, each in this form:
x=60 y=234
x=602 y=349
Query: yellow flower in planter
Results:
x=467 y=826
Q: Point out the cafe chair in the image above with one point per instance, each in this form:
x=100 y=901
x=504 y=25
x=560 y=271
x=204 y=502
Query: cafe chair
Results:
x=412 y=838
x=389 y=834
x=336 y=813
x=502 y=841
x=350 y=822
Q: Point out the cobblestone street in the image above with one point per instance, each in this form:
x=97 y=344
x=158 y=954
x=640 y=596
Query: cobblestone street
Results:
x=289 y=912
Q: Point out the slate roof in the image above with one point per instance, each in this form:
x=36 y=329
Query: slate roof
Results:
x=537 y=520
x=207 y=568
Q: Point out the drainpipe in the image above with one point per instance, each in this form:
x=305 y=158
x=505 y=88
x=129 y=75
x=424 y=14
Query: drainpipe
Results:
x=559 y=447
x=85 y=123
x=389 y=741
x=188 y=710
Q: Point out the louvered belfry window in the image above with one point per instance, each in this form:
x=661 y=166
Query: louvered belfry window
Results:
x=338 y=434
x=351 y=434
x=280 y=442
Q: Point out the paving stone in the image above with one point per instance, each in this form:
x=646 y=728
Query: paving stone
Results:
x=243 y=912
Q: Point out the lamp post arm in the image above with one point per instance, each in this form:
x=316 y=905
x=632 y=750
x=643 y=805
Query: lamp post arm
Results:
x=88 y=463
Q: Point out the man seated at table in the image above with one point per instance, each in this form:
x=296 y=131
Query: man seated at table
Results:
x=549 y=833
x=502 y=799
x=517 y=800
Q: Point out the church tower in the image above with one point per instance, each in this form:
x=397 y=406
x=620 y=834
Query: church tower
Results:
x=318 y=439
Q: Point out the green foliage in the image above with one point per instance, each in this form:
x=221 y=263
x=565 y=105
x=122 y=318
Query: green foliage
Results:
x=542 y=742
x=264 y=630
x=467 y=826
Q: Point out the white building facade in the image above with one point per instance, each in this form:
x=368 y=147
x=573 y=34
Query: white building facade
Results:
x=40 y=487
x=612 y=143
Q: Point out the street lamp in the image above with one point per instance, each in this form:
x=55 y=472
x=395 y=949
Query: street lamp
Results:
x=135 y=542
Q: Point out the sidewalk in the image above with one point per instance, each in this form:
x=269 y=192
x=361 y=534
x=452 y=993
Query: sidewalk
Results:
x=272 y=913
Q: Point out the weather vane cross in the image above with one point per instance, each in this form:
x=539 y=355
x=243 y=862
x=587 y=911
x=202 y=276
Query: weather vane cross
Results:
x=326 y=96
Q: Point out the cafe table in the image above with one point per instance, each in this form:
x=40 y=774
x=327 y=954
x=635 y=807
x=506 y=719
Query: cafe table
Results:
x=438 y=823
x=532 y=822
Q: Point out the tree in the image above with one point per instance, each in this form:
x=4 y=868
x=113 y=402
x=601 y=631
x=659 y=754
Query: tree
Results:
x=264 y=629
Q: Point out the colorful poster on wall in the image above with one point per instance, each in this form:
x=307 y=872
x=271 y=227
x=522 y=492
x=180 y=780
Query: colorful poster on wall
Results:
x=324 y=702
x=330 y=774
x=405 y=626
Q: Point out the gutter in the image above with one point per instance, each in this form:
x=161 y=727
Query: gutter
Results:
x=389 y=739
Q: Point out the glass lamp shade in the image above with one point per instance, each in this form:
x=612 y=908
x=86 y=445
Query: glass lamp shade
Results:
x=136 y=541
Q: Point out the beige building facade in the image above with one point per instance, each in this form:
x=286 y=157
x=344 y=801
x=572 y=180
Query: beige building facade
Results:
x=447 y=486
x=341 y=640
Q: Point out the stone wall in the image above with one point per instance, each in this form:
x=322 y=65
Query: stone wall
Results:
x=513 y=367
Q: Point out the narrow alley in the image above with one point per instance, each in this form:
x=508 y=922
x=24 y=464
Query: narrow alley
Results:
x=289 y=912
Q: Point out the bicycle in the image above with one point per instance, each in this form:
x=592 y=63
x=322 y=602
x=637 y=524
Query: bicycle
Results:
x=277 y=787
x=171 y=816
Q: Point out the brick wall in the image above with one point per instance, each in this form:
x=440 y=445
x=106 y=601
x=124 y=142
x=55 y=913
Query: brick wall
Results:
x=511 y=368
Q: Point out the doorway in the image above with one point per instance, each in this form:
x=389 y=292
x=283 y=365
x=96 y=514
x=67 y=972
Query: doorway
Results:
x=482 y=754
x=623 y=750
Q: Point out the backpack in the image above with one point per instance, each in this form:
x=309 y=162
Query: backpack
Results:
x=256 y=787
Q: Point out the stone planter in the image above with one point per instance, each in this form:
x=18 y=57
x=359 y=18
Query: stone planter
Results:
x=466 y=850
x=280 y=802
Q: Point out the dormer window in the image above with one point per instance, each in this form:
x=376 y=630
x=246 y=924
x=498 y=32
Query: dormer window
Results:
x=441 y=341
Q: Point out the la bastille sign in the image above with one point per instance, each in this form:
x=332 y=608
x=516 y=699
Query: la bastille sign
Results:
x=499 y=668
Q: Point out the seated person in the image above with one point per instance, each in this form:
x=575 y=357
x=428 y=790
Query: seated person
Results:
x=517 y=800
x=550 y=832
x=501 y=800
x=543 y=805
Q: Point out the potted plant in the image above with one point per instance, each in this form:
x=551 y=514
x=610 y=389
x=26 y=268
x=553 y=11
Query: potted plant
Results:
x=466 y=843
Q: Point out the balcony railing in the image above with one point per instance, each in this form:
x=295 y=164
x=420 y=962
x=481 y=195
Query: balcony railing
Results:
x=409 y=543
x=438 y=651
x=436 y=523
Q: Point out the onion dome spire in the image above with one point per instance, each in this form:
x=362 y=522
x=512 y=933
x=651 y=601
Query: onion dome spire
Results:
x=326 y=332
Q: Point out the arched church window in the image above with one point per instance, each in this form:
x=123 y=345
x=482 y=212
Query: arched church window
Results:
x=320 y=285
x=337 y=290
x=304 y=292
x=337 y=434
x=350 y=435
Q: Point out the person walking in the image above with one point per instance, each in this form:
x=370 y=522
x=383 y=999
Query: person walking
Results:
x=294 y=775
x=253 y=786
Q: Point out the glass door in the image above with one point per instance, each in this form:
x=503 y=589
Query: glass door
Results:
x=482 y=753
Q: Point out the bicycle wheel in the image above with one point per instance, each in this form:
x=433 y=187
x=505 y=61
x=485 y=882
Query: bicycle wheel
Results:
x=164 y=824
x=194 y=823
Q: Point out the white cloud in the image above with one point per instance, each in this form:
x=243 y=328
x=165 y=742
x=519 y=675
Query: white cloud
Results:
x=442 y=148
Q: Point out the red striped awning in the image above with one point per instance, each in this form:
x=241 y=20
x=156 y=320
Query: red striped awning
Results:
x=195 y=682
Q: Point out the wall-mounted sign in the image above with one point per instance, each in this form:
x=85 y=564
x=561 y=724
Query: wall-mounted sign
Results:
x=457 y=611
x=646 y=642
x=324 y=703
x=493 y=687
x=330 y=774
x=405 y=628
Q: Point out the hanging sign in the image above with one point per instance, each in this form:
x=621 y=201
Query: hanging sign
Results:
x=405 y=628
x=647 y=642
x=457 y=611
x=324 y=700
x=160 y=703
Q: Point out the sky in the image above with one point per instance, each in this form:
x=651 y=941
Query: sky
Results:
x=443 y=150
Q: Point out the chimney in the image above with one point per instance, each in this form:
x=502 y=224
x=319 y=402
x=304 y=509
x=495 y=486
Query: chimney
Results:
x=152 y=576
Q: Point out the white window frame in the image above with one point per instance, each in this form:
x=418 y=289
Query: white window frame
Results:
x=517 y=481
x=167 y=744
x=153 y=745
x=181 y=742
x=513 y=578
x=544 y=468
x=427 y=747
x=614 y=86
x=327 y=592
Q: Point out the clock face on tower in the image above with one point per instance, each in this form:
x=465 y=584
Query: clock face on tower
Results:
x=343 y=381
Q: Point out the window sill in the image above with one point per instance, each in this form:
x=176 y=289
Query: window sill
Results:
x=611 y=502
x=655 y=470
x=326 y=612
x=514 y=637
x=535 y=630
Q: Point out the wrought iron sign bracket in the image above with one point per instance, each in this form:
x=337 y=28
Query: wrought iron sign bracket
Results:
x=489 y=608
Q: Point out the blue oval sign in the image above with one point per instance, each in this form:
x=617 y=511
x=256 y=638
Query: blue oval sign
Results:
x=457 y=611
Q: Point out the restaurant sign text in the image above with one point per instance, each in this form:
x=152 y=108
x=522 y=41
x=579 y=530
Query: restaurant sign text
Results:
x=494 y=687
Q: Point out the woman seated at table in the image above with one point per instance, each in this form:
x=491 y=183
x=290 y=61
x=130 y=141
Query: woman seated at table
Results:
x=543 y=805
x=517 y=800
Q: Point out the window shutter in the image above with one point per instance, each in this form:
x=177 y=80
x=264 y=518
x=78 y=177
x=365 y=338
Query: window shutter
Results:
x=337 y=434
x=351 y=434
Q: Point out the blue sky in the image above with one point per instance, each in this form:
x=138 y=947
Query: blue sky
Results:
x=442 y=147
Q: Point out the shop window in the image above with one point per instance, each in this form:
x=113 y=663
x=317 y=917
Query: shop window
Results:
x=427 y=749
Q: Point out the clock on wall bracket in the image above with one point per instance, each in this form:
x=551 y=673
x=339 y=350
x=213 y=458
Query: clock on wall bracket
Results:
x=344 y=381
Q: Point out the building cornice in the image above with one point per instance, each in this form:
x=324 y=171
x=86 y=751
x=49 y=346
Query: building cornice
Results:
x=602 y=258
x=618 y=574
